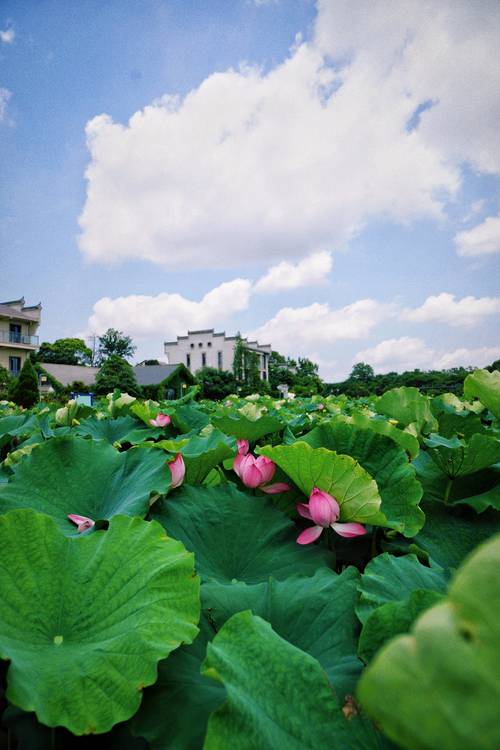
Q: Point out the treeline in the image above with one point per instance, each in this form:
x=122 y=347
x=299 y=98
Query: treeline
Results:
x=362 y=381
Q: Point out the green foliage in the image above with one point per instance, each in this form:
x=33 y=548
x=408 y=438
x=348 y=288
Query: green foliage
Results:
x=114 y=343
x=216 y=384
x=485 y=386
x=72 y=351
x=440 y=685
x=116 y=373
x=5 y=379
x=84 y=634
x=432 y=382
x=24 y=390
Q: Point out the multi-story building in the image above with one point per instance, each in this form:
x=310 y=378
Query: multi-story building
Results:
x=209 y=349
x=18 y=326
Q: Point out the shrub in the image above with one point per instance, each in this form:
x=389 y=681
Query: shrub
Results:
x=116 y=373
x=25 y=388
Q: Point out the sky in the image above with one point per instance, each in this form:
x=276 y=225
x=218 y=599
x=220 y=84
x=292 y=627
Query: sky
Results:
x=322 y=176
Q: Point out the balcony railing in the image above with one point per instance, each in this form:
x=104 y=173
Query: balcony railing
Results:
x=7 y=337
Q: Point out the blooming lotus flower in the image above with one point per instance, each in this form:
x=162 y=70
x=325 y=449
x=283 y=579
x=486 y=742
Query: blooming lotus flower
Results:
x=243 y=446
x=177 y=469
x=321 y=407
x=162 y=420
x=81 y=522
x=256 y=472
x=324 y=510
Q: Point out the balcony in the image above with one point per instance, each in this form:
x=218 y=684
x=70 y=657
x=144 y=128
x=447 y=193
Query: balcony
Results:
x=19 y=339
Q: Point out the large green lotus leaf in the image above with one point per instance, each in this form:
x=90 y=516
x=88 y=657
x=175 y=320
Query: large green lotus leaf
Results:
x=17 y=426
x=120 y=430
x=383 y=427
x=391 y=579
x=485 y=386
x=241 y=425
x=315 y=614
x=450 y=533
x=393 y=618
x=480 y=490
x=439 y=687
x=85 y=621
x=188 y=418
x=203 y=453
x=236 y=536
x=90 y=478
x=387 y=463
x=277 y=695
x=455 y=417
x=341 y=476
x=408 y=406
x=175 y=710
x=456 y=457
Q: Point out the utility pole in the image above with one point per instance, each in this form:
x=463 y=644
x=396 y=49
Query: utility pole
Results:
x=92 y=339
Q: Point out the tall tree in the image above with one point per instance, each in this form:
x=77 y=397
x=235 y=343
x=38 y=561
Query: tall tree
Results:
x=362 y=372
x=65 y=352
x=116 y=372
x=239 y=359
x=25 y=389
x=114 y=343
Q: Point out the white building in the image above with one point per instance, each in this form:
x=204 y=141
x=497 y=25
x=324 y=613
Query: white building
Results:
x=209 y=349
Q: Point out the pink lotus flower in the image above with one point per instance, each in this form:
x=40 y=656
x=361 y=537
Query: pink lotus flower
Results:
x=321 y=407
x=324 y=510
x=256 y=472
x=177 y=469
x=162 y=420
x=81 y=522
x=243 y=446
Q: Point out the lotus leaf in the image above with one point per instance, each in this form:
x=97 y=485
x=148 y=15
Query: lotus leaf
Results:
x=84 y=621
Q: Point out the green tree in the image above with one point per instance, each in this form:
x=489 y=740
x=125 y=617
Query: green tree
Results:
x=282 y=371
x=114 y=343
x=362 y=372
x=116 y=372
x=216 y=384
x=239 y=359
x=5 y=379
x=25 y=388
x=65 y=352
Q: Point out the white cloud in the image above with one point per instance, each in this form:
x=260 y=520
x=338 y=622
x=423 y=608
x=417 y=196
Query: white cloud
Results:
x=168 y=315
x=7 y=36
x=5 y=95
x=407 y=353
x=253 y=165
x=301 y=329
x=444 y=308
x=483 y=239
x=311 y=271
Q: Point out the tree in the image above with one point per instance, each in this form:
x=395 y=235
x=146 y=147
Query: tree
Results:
x=116 y=373
x=282 y=371
x=239 y=359
x=115 y=343
x=362 y=372
x=216 y=384
x=307 y=381
x=25 y=388
x=65 y=352
x=5 y=379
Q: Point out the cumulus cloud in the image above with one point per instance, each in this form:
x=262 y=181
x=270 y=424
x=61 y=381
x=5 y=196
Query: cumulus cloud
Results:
x=444 y=308
x=311 y=271
x=374 y=116
x=168 y=315
x=7 y=36
x=407 y=353
x=483 y=239
x=295 y=329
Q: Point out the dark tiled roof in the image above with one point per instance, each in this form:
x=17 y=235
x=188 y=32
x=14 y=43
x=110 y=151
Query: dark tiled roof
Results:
x=153 y=374
x=6 y=311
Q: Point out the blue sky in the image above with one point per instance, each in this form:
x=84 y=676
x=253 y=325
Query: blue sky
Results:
x=324 y=176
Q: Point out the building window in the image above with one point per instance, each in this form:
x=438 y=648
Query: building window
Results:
x=15 y=333
x=264 y=375
x=203 y=359
x=192 y=346
x=209 y=343
x=15 y=365
x=219 y=360
x=200 y=344
x=188 y=360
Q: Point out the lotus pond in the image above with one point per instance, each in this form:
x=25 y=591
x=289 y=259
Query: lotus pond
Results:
x=255 y=574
